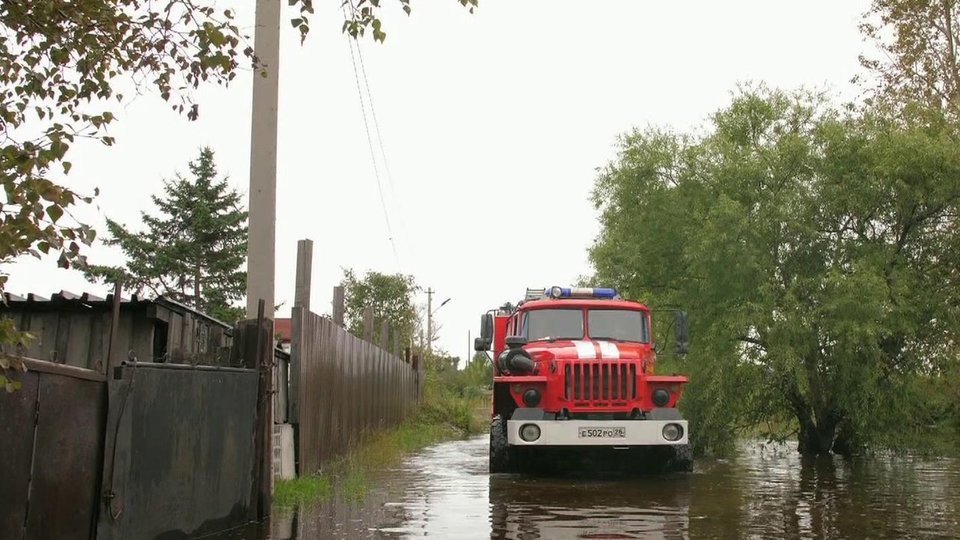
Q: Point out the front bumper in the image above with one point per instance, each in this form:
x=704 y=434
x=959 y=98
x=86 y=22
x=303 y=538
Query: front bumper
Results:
x=596 y=433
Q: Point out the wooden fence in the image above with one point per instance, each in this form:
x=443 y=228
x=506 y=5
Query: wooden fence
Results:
x=341 y=388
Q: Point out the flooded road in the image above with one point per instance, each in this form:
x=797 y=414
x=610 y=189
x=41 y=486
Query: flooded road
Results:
x=763 y=492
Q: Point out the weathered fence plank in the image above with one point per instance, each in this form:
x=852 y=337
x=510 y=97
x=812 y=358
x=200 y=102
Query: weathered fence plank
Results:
x=17 y=412
x=68 y=443
x=342 y=387
x=338 y=305
x=52 y=433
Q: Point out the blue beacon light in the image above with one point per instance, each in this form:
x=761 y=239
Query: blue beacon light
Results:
x=582 y=292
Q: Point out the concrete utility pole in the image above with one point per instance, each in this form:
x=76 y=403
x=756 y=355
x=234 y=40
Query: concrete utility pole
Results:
x=263 y=161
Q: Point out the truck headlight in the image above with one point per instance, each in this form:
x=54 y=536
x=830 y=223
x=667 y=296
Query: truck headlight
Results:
x=529 y=432
x=531 y=398
x=672 y=432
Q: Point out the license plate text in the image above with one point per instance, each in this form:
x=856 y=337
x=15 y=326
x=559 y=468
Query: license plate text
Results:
x=602 y=432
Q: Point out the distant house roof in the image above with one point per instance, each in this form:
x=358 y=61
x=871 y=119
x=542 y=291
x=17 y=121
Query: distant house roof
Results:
x=284 y=328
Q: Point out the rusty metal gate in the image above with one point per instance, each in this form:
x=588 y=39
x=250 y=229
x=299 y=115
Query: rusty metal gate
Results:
x=51 y=432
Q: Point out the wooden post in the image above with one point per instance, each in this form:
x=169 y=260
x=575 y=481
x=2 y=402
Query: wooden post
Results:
x=338 y=305
x=294 y=369
x=112 y=348
x=368 y=323
x=418 y=361
x=301 y=297
x=254 y=343
x=384 y=334
x=396 y=343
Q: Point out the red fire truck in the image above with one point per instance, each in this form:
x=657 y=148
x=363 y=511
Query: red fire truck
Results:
x=574 y=377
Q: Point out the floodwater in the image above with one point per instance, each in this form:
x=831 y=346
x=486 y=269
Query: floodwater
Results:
x=762 y=492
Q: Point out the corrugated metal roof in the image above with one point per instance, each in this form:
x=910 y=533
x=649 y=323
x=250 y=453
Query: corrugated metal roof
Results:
x=67 y=296
x=90 y=300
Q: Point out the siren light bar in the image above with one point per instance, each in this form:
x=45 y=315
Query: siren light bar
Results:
x=581 y=292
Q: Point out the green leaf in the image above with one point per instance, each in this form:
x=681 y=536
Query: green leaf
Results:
x=55 y=212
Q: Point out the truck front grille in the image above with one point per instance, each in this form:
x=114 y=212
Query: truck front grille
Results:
x=599 y=383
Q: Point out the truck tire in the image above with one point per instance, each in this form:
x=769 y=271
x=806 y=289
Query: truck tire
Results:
x=499 y=448
x=682 y=459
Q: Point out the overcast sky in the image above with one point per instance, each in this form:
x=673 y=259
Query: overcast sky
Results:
x=493 y=125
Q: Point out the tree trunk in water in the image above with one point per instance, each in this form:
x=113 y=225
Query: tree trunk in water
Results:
x=846 y=442
x=816 y=438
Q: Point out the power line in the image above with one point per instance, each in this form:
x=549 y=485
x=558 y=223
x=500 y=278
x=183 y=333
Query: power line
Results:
x=373 y=154
x=383 y=153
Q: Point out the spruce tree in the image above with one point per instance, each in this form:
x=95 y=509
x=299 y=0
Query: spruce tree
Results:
x=193 y=251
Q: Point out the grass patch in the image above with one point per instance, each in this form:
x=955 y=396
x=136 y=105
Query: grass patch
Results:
x=288 y=493
x=354 y=485
x=447 y=412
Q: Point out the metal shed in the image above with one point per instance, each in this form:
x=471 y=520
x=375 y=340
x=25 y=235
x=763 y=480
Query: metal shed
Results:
x=74 y=330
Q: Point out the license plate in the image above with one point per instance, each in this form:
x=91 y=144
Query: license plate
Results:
x=603 y=433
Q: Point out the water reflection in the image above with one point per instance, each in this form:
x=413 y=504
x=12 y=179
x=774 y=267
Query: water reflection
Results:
x=763 y=492
x=551 y=508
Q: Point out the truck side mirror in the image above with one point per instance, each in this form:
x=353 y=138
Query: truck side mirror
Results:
x=681 y=326
x=483 y=342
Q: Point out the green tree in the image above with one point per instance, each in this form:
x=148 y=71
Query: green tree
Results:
x=919 y=41
x=194 y=251
x=390 y=295
x=815 y=253
x=440 y=361
x=479 y=371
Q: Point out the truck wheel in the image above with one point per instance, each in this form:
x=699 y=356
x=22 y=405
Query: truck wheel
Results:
x=499 y=449
x=682 y=459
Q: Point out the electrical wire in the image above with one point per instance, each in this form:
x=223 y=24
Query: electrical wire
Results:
x=373 y=154
x=383 y=153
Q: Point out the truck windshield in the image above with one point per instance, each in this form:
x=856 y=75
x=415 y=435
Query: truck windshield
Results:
x=618 y=324
x=547 y=324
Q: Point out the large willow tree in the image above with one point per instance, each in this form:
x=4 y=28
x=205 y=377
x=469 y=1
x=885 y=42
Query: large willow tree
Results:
x=816 y=252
